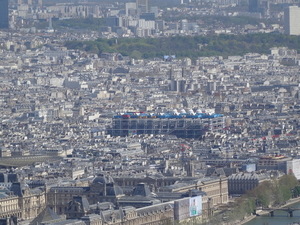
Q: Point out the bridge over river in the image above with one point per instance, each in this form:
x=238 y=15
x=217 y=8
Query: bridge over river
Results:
x=289 y=210
x=281 y=216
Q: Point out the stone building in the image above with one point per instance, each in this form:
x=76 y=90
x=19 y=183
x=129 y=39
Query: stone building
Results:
x=153 y=182
x=9 y=177
x=128 y=215
x=22 y=202
x=242 y=182
x=102 y=189
x=216 y=188
x=9 y=204
x=104 y=198
x=78 y=207
x=140 y=197
x=4 y=152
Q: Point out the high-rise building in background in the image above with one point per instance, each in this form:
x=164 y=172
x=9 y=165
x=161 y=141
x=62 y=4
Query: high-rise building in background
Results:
x=292 y=20
x=147 y=16
x=265 y=9
x=130 y=7
x=142 y=5
x=154 y=9
x=3 y=14
x=184 y=25
x=114 y=21
x=254 y=5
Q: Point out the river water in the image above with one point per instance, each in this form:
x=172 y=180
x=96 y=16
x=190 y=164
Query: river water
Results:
x=280 y=217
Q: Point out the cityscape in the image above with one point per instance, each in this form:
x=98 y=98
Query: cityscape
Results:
x=149 y=112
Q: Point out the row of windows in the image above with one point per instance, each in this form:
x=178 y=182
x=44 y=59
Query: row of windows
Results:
x=240 y=185
x=133 y=183
x=242 y=188
x=215 y=192
x=6 y=208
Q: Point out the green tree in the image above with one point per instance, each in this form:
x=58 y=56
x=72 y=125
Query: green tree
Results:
x=288 y=180
x=296 y=191
x=136 y=54
x=182 y=46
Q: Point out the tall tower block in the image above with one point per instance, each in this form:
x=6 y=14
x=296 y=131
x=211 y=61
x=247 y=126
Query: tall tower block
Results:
x=142 y=4
x=292 y=20
x=4 y=14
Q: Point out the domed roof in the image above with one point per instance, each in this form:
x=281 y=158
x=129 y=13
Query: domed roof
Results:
x=103 y=179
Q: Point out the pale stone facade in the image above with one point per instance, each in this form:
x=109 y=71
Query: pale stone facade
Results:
x=22 y=202
x=26 y=203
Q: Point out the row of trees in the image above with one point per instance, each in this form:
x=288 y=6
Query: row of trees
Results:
x=76 y=23
x=79 y=23
x=192 y=47
x=274 y=192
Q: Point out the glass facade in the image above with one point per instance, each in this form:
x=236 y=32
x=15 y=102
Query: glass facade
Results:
x=3 y=14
